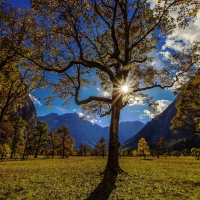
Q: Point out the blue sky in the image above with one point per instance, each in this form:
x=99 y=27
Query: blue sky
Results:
x=136 y=112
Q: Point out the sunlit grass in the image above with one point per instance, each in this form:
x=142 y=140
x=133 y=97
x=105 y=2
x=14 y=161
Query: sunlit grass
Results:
x=76 y=177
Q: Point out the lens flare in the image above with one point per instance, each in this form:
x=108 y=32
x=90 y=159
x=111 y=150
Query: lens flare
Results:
x=125 y=88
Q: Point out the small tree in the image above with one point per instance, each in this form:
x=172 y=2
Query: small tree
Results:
x=125 y=152
x=185 y=152
x=65 y=141
x=143 y=147
x=84 y=150
x=54 y=142
x=29 y=139
x=195 y=152
x=19 y=126
x=81 y=149
x=135 y=153
x=100 y=147
x=20 y=151
x=4 y=150
x=41 y=136
x=96 y=150
x=103 y=145
x=159 y=146
x=176 y=153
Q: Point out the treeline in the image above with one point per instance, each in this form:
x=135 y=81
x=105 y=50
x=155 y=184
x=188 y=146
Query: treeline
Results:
x=158 y=150
x=21 y=139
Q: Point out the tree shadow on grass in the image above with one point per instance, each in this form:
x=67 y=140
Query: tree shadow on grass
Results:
x=104 y=189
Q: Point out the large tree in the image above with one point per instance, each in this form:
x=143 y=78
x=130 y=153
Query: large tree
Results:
x=15 y=86
x=187 y=117
x=14 y=24
x=107 y=43
x=17 y=79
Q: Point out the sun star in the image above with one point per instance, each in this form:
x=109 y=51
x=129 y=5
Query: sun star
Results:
x=125 y=88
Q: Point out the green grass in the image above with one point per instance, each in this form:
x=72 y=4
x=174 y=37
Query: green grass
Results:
x=76 y=177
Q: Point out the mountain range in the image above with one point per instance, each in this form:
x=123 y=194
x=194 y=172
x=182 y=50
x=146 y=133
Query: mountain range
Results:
x=160 y=127
x=129 y=132
x=86 y=132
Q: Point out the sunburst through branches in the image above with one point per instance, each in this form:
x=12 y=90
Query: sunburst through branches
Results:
x=125 y=88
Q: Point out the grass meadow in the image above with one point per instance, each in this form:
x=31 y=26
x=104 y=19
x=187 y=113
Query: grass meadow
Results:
x=75 y=178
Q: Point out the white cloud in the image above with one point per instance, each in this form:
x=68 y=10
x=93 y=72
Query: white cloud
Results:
x=183 y=37
x=136 y=101
x=35 y=100
x=88 y=118
x=166 y=54
x=93 y=120
x=59 y=109
x=182 y=79
x=162 y=105
x=153 y=62
x=104 y=93
x=173 y=44
x=153 y=3
x=180 y=38
x=147 y=113
x=80 y=114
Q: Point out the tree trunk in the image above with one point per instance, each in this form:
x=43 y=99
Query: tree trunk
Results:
x=36 y=152
x=3 y=112
x=112 y=167
x=23 y=156
x=158 y=155
x=13 y=145
x=53 y=151
x=104 y=189
x=63 y=150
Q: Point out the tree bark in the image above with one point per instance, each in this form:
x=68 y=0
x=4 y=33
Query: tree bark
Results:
x=38 y=145
x=53 y=151
x=104 y=189
x=13 y=147
x=113 y=161
x=63 y=149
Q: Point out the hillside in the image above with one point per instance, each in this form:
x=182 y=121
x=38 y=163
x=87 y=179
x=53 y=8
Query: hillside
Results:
x=85 y=132
x=157 y=128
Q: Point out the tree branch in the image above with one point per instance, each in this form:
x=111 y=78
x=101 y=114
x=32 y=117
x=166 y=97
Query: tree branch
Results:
x=91 y=98
x=153 y=28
